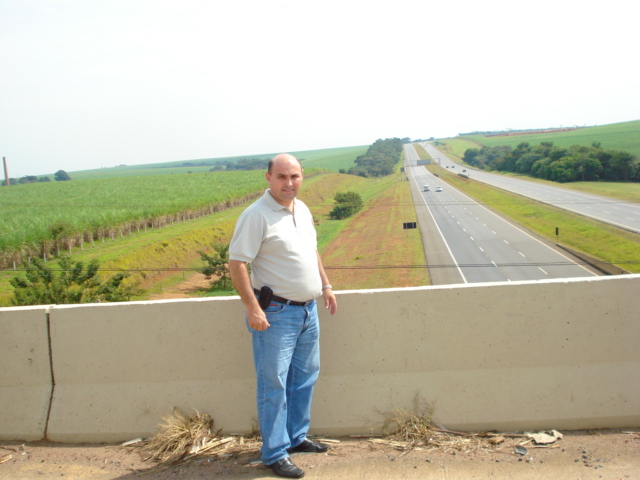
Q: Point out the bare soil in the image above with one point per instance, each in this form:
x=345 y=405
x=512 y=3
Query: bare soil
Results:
x=189 y=288
x=608 y=454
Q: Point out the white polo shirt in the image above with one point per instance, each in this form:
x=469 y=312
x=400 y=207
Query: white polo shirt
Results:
x=281 y=247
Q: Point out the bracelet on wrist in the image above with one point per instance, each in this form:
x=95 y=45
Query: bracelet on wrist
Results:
x=324 y=287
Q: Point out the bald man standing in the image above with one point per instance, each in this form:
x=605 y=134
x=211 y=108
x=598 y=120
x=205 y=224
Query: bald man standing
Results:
x=276 y=235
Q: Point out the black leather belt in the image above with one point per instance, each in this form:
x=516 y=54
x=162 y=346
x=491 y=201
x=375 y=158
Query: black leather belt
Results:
x=276 y=298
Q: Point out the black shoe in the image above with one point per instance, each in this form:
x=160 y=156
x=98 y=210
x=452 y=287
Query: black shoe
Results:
x=286 y=468
x=308 y=446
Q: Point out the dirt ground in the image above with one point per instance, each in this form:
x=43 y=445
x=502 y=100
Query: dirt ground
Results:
x=607 y=454
x=189 y=288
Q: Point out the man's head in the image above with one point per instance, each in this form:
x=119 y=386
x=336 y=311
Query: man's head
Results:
x=284 y=175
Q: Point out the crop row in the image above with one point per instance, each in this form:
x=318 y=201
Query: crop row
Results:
x=43 y=218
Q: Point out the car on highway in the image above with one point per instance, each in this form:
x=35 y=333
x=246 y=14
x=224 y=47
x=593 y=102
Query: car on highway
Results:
x=438 y=189
x=426 y=188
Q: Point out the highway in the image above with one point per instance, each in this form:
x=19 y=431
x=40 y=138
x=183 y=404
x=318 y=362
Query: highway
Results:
x=625 y=215
x=465 y=242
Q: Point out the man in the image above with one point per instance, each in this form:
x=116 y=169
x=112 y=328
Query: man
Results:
x=277 y=237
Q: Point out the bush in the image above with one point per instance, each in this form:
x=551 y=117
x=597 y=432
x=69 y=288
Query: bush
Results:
x=348 y=203
x=218 y=266
x=73 y=284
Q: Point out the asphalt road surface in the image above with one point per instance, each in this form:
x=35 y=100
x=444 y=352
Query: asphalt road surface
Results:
x=621 y=214
x=466 y=242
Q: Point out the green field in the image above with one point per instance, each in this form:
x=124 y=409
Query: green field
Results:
x=42 y=219
x=90 y=209
x=149 y=255
x=329 y=158
x=617 y=136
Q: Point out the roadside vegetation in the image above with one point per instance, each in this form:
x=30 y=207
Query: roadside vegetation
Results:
x=347 y=204
x=159 y=257
x=71 y=282
x=616 y=136
x=380 y=159
x=558 y=164
x=422 y=153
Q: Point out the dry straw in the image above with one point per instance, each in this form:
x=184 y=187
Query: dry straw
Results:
x=417 y=430
x=182 y=438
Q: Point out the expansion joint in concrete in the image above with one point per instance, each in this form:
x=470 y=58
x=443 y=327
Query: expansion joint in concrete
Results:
x=53 y=379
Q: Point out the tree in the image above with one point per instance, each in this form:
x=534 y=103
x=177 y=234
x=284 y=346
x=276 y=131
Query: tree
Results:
x=348 y=203
x=73 y=284
x=28 y=179
x=623 y=165
x=218 y=266
x=61 y=176
x=379 y=160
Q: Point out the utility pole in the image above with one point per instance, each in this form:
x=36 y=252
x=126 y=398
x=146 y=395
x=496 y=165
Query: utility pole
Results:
x=6 y=172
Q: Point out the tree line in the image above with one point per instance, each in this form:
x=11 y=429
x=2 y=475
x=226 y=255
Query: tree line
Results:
x=559 y=164
x=242 y=164
x=60 y=176
x=379 y=159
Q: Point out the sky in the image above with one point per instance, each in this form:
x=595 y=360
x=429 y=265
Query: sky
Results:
x=95 y=83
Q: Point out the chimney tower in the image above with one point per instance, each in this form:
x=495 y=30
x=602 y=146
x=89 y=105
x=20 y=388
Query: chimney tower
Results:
x=6 y=172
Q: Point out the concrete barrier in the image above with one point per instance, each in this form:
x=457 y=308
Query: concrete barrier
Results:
x=25 y=373
x=120 y=367
x=508 y=356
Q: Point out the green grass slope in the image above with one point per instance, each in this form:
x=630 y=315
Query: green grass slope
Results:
x=328 y=159
x=618 y=136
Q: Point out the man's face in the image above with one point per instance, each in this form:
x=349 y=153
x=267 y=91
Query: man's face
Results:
x=285 y=180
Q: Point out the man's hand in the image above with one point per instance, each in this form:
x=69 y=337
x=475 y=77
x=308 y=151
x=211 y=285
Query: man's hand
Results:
x=330 y=301
x=257 y=319
x=241 y=282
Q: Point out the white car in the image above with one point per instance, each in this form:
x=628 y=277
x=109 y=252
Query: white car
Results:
x=438 y=189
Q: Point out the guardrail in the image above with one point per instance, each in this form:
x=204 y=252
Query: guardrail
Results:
x=506 y=356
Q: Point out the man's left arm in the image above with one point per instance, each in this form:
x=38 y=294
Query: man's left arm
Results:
x=327 y=291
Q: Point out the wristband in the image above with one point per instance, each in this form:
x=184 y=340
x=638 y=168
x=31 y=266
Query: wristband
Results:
x=324 y=287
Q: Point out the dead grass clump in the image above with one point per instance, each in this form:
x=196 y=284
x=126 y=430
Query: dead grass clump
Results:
x=178 y=436
x=407 y=430
x=182 y=439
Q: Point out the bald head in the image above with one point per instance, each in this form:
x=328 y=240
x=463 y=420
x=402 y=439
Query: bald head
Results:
x=284 y=158
x=285 y=178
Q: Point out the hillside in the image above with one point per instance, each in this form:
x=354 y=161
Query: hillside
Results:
x=329 y=159
x=618 y=136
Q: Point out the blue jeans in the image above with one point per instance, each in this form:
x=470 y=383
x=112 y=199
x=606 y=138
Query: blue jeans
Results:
x=287 y=361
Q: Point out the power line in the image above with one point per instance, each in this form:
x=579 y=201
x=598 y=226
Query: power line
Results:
x=372 y=267
x=111 y=205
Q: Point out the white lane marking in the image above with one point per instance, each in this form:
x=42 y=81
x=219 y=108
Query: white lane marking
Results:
x=464 y=279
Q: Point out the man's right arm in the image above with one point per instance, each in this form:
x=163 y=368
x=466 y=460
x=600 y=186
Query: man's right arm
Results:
x=242 y=283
